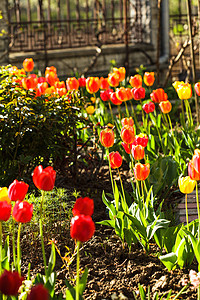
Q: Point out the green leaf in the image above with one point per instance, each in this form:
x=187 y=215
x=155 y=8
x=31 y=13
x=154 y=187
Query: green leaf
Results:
x=52 y=260
x=83 y=281
x=169 y=260
x=142 y=292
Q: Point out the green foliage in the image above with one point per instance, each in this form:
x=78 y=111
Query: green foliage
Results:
x=34 y=130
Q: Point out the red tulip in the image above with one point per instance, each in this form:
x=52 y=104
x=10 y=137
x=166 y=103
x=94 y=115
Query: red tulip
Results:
x=82 y=82
x=194 y=175
x=121 y=94
x=158 y=95
x=83 y=206
x=127 y=134
x=115 y=160
x=107 y=137
x=104 y=85
x=137 y=152
x=22 y=211
x=28 y=64
x=59 y=84
x=82 y=228
x=138 y=93
x=165 y=107
x=141 y=139
x=29 y=83
x=42 y=88
x=148 y=107
x=127 y=147
x=38 y=292
x=5 y=210
x=10 y=283
x=105 y=95
x=141 y=171
x=197 y=88
x=44 y=179
x=17 y=190
x=136 y=81
x=72 y=83
x=149 y=78
x=114 y=99
x=196 y=160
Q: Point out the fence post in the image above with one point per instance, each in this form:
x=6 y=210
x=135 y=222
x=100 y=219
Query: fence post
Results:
x=126 y=35
x=4 y=33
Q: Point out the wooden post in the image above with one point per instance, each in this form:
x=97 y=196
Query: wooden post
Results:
x=126 y=35
x=192 y=54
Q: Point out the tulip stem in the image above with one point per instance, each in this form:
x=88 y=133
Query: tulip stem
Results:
x=197 y=200
x=186 y=212
x=19 y=250
x=183 y=113
x=127 y=111
x=119 y=112
x=170 y=123
x=124 y=204
x=111 y=178
x=41 y=234
x=0 y=248
x=13 y=242
x=77 y=270
x=142 y=188
x=111 y=112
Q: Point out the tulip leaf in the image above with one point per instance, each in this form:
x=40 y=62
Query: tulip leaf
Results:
x=83 y=281
x=52 y=260
x=169 y=260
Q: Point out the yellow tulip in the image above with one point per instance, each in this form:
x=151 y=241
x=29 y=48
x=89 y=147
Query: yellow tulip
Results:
x=4 y=195
x=184 y=91
x=90 y=110
x=176 y=84
x=186 y=184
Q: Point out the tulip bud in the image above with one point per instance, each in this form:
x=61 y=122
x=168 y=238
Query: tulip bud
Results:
x=141 y=171
x=158 y=95
x=114 y=99
x=107 y=137
x=148 y=107
x=115 y=160
x=5 y=210
x=82 y=228
x=165 y=107
x=104 y=85
x=137 y=152
x=82 y=82
x=149 y=78
x=72 y=83
x=138 y=93
x=197 y=88
x=44 y=179
x=17 y=190
x=28 y=64
x=10 y=283
x=38 y=292
x=136 y=81
x=92 y=84
x=83 y=206
x=186 y=185
x=127 y=134
x=22 y=211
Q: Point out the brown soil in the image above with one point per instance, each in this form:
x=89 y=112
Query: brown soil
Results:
x=114 y=272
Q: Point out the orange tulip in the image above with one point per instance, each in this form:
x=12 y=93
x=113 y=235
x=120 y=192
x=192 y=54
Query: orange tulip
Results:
x=28 y=64
x=129 y=94
x=121 y=94
x=115 y=160
x=158 y=95
x=120 y=72
x=141 y=171
x=137 y=152
x=72 y=83
x=141 y=139
x=136 y=81
x=113 y=79
x=149 y=78
x=107 y=137
x=59 y=84
x=29 y=83
x=50 y=69
x=51 y=78
x=92 y=84
x=127 y=134
x=165 y=107
x=42 y=88
x=61 y=91
x=127 y=121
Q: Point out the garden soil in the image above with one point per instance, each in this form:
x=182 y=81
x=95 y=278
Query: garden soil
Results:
x=114 y=272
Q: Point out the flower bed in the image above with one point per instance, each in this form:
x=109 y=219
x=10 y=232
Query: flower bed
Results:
x=87 y=125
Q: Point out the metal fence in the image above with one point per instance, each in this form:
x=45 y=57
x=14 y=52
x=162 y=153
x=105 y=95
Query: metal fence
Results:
x=49 y=24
